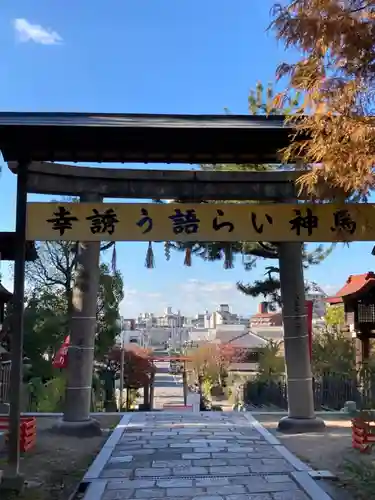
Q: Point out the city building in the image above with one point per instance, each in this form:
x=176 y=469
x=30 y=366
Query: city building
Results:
x=265 y=318
x=146 y=320
x=198 y=321
x=223 y=316
x=168 y=319
x=169 y=327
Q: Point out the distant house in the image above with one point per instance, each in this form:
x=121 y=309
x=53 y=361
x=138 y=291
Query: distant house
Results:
x=265 y=318
x=334 y=301
x=238 y=336
x=268 y=325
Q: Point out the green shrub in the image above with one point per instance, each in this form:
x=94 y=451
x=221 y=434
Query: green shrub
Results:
x=49 y=397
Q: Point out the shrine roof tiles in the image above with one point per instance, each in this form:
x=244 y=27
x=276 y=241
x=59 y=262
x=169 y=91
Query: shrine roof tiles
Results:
x=333 y=300
x=357 y=283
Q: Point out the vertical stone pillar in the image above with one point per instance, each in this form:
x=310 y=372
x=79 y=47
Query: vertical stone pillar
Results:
x=12 y=479
x=76 y=419
x=301 y=416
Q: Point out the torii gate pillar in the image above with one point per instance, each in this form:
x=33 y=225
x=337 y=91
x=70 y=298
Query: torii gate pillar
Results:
x=76 y=419
x=301 y=416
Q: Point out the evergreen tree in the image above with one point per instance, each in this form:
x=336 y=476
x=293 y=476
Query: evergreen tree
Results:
x=261 y=101
x=49 y=282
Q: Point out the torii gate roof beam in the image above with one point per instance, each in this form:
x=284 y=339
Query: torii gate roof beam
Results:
x=143 y=138
x=54 y=178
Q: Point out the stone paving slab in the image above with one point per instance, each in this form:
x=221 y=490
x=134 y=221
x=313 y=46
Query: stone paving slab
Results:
x=201 y=456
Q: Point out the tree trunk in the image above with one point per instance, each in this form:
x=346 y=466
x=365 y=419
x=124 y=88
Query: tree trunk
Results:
x=146 y=395
x=184 y=383
x=296 y=342
x=128 y=398
x=152 y=381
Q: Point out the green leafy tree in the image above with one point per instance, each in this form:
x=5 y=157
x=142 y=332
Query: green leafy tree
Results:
x=111 y=293
x=45 y=320
x=335 y=317
x=271 y=365
x=332 y=352
x=261 y=101
x=49 y=288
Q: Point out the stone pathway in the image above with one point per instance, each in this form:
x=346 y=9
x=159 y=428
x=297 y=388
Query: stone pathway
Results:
x=168 y=388
x=202 y=456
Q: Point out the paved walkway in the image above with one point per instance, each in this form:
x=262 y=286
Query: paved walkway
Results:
x=168 y=388
x=197 y=456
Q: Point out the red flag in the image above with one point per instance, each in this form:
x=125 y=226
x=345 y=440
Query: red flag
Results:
x=60 y=360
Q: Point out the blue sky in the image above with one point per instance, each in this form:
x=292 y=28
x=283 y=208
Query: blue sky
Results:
x=145 y=56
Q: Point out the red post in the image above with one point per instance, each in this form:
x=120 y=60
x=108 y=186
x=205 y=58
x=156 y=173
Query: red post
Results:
x=309 y=316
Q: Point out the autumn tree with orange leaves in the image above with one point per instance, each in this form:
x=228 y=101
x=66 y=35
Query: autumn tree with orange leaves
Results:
x=335 y=137
x=211 y=361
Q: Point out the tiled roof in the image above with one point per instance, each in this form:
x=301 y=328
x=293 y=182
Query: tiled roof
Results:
x=248 y=339
x=357 y=283
x=269 y=333
x=333 y=300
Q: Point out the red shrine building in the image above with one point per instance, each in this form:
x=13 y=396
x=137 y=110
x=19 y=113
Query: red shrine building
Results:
x=358 y=298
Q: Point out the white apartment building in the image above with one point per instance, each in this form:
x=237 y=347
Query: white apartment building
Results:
x=139 y=337
x=168 y=319
x=223 y=316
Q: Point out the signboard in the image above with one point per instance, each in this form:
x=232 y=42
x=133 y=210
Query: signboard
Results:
x=200 y=222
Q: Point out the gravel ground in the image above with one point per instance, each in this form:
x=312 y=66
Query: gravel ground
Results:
x=57 y=463
x=322 y=450
x=330 y=450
